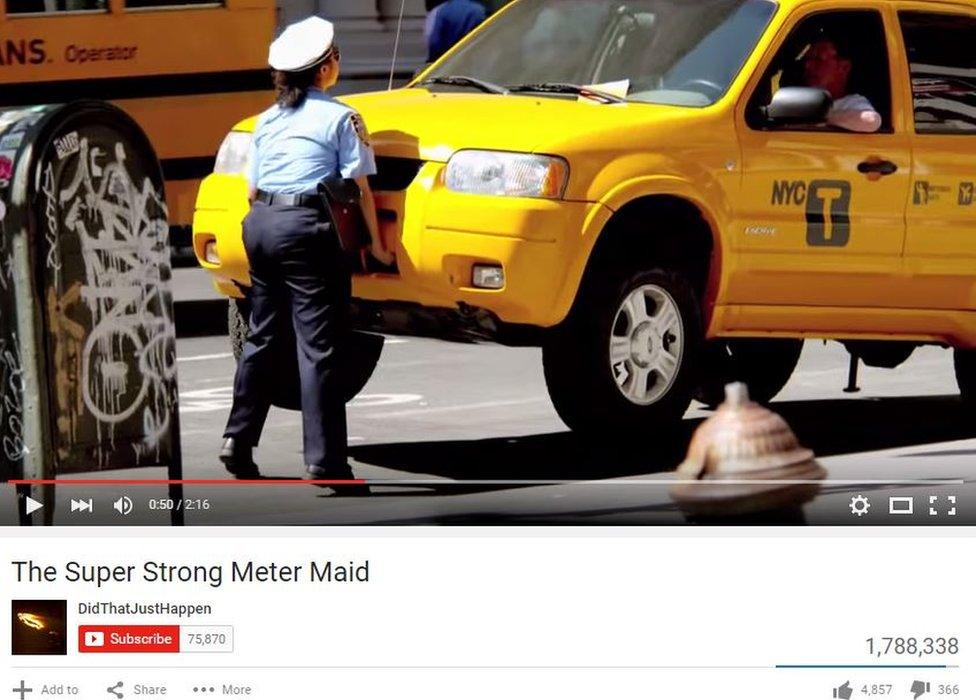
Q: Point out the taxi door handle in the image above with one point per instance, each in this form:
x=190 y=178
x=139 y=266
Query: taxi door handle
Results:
x=877 y=167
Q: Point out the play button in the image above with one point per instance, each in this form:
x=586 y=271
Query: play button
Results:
x=31 y=505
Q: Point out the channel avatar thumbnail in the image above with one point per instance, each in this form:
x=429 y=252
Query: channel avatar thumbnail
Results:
x=39 y=627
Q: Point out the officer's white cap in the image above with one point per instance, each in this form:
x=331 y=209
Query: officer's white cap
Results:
x=301 y=45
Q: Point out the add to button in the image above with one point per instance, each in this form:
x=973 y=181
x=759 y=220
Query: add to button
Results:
x=129 y=639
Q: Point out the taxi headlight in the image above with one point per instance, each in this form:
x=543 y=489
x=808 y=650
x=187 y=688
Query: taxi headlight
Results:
x=232 y=158
x=507 y=174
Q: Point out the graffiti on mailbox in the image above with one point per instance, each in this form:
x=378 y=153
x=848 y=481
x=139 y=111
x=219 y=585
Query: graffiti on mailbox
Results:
x=108 y=303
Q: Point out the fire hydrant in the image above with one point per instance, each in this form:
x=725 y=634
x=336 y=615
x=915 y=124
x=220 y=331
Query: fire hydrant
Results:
x=745 y=460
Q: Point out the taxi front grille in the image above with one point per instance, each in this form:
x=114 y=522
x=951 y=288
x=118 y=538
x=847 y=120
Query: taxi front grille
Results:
x=394 y=174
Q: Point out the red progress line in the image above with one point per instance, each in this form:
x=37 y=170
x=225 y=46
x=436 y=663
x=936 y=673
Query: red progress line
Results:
x=188 y=482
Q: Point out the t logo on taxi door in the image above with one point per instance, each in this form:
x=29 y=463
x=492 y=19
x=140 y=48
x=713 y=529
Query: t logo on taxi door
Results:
x=827 y=204
x=829 y=213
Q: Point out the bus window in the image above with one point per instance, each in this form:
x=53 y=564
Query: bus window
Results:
x=20 y=7
x=155 y=59
x=169 y=4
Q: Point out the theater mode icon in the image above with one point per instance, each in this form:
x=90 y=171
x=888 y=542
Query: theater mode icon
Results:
x=901 y=505
x=94 y=639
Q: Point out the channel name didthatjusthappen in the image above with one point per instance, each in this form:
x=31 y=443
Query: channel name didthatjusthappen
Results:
x=179 y=610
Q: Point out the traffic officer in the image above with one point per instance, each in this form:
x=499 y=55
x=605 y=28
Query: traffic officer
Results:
x=297 y=265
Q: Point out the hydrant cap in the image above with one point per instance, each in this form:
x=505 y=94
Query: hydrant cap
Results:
x=742 y=440
x=745 y=459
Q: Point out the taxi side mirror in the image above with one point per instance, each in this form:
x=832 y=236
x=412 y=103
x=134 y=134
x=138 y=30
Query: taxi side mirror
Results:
x=798 y=105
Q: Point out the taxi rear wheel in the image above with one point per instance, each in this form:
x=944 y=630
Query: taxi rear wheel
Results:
x=965 y=364
x=626 y=358
x=765 y=365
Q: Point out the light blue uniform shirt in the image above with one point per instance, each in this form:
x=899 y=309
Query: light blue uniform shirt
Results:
x=295 y=149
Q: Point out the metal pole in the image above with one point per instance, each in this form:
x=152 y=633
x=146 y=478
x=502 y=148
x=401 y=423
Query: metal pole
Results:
x=852 y=387
x=38 y=458
x=175 y=471
x=396 y=44
x=23 y=492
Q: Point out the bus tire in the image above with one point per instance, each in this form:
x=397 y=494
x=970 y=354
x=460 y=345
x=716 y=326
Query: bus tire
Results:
x=625 y=359
x=765 y=365
x=359 y=359
x=965 y=366
x=238 y=317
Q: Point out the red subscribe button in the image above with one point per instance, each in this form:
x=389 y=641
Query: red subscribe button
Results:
x=129 y=639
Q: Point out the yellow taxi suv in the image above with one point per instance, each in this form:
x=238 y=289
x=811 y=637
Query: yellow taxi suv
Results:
x=653 y=193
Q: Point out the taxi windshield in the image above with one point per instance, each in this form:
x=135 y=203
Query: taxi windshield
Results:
x=677 y=52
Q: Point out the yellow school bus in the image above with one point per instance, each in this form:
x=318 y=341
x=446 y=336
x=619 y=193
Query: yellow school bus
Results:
x=185 y=70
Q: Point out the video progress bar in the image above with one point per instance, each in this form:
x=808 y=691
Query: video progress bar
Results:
x=269 y=482
x=526 y=667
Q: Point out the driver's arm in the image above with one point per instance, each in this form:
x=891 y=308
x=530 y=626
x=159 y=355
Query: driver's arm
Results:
x=861 y=120
x=854 y=113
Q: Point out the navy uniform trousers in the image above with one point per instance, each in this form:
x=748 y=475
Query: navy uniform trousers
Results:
x=296 y=266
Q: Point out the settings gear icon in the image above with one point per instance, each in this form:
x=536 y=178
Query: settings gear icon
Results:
x=860 y=505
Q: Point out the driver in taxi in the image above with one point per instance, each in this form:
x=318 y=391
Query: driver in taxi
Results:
x=828 y=65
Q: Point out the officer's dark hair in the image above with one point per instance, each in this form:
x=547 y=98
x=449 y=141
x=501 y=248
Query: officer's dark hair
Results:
x=291 y=87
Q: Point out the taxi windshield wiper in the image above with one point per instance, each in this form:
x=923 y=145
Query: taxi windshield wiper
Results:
x=466 y=81
x=568 y=89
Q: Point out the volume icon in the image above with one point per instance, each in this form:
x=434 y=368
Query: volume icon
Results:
x=123 y=505
x=81 y=506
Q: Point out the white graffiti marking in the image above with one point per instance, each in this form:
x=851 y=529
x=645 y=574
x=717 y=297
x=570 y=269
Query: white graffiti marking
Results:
x=123 y=231
x=51 y=230
x=11 y=373
x=11 y=401
x=8 y=270
x=67 y=145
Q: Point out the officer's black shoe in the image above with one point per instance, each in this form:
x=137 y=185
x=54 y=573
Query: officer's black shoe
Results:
x=238 y=460
x=315 y=473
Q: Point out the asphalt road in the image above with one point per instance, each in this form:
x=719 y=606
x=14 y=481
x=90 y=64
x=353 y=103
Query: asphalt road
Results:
x=445 y=418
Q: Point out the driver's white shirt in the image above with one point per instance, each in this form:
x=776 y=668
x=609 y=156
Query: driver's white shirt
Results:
x=853 y=102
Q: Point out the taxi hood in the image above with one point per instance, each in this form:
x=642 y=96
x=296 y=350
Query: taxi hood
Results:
x=432 y=126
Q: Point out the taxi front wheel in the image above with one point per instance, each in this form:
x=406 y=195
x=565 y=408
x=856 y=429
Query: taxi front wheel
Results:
x=625 y=360
x=965 y=363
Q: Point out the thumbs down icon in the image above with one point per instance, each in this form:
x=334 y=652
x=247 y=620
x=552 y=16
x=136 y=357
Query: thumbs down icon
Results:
x=920 y=688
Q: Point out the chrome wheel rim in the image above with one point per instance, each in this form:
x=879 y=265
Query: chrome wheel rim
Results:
x=646 y=344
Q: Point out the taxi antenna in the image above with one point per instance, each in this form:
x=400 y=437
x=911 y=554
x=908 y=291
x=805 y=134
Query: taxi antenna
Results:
x=396 y=44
